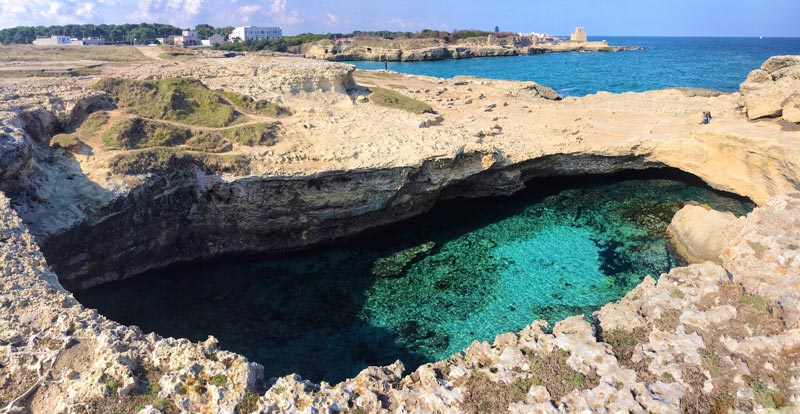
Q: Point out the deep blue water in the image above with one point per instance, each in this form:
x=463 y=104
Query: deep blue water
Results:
x=424 y=289
x=698 y=62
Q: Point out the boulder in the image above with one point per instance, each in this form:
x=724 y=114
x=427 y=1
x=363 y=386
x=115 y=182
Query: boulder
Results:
x=768 y=90
x=697 y=233
x=777 y=63
x=791 y=111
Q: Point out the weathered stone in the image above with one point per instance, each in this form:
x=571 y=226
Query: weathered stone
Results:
x=697 y=233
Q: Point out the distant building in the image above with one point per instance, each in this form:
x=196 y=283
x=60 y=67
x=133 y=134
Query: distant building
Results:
x=256 y=33
x=52 y=41
x=579 y=35
x=87 y=41
x=187 y=38
x=214 y=39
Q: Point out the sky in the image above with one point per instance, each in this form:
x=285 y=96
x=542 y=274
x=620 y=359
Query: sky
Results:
x=558 y=17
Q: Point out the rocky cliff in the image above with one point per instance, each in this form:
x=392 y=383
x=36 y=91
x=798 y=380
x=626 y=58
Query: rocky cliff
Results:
x=415 y=50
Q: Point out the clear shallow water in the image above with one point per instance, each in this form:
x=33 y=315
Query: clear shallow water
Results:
x=698 y=62
x=424 y=289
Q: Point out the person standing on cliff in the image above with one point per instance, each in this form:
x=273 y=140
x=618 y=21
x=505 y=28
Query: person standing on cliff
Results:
x=385 y=63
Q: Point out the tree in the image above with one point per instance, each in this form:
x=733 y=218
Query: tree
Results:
x=497 y=29
x=204 y=31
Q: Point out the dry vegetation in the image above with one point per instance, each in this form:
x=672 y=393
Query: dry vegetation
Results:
x=396 y=100
x=487 y=396
x=28 y=53
x=182 y=100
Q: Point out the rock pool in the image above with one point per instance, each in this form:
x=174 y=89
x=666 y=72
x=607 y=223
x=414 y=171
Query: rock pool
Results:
x=422 y=289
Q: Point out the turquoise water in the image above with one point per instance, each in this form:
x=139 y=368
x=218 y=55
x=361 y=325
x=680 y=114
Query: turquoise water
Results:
x=699 y=62
x=424 y=289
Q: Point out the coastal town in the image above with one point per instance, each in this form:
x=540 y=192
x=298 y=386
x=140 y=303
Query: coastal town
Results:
x=424 y=45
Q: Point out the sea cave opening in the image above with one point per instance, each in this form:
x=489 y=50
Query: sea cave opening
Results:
x=425 y=288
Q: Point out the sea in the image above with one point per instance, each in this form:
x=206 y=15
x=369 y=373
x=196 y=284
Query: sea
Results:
x=720 y=63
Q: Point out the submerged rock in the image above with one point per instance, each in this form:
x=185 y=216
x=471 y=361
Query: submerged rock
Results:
x=393 y=265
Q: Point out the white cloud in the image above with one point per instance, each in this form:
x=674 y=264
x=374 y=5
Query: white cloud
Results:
x=331 y=19
x=176 y=12
x=109 y=2
x=278 y=6
x=86 y=11
x=52 y=10
x=281 y=13
x=243 y=13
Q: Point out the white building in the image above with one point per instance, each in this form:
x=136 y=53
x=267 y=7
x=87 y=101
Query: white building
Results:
x=214 y=39
x=88 y=41
x=187 y=38
x=52 y=41
x=256 y=33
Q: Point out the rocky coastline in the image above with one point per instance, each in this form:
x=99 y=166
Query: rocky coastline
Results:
x=412 y=50
x=687 y=342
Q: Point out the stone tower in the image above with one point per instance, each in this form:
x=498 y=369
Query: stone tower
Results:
x=579 y=35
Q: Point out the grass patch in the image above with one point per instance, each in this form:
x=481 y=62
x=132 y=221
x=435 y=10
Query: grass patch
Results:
x=485 y=396
x=86 y=130
x=251 y=105
x=753 y=301
x=768 y=397
x=253 y=134
x=50 y=73
x=167 y=160
x=396 y=100
x=138 y=133
x=218 y=380
x=177 y=55
x=395 y=86
x=182 y=100
x=248 y=403
x=31 y=53
x=208 y=142
x=69 y=142
x=622 y=342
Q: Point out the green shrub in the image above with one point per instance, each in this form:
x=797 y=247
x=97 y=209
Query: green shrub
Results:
x=254 y=134
x=393 y=99
x=167 y=160
x=177 y=99
x=253 y=106
x=248 y=403
x=208 y=142
x=135 y=133
x=218 y=380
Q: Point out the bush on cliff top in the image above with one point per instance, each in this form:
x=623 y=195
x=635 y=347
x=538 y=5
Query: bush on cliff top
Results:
x=393 y=99
x=253 y=134
x=251 y=105
x=140 y=133
x=181 y=100
x=85 y=131
x=169 y=160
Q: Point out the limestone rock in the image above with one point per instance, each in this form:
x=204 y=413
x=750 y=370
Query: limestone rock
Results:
x=767 y=90
x=776 y=63
x=791 y=111
x=697 y=234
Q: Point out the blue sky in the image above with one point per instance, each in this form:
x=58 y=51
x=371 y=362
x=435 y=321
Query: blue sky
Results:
x=559 y=17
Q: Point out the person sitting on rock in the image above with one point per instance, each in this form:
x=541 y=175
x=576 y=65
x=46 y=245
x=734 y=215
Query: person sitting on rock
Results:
x=706 y=117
